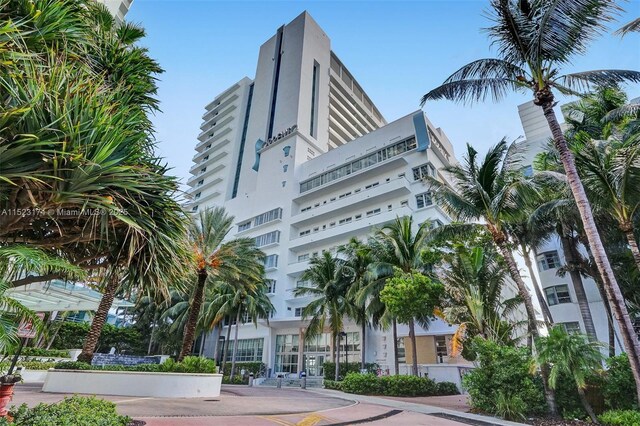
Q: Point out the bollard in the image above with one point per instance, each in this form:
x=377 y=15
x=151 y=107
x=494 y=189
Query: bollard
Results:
x=250 y=380
x=303 y=382
x=279 y=381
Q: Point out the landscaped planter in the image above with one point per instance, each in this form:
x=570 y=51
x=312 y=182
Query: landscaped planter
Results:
x=133 y=383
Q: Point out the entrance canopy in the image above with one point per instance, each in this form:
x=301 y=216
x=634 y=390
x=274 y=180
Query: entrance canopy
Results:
x=61 y=296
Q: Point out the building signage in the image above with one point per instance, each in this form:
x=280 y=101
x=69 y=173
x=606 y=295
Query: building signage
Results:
x=281 y=135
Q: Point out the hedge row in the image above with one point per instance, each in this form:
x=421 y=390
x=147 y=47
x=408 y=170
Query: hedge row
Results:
x=29 y=365
x=190 y=364
x=371 y=384
x=352 y=367
x=40 y=352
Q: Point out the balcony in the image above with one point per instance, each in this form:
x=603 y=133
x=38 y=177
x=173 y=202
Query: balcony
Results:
x=208 y=172
x=212 y=139
x=341 y=233
x=219 y=124
x=395 y=187
x=398 y=163
x=297 y=268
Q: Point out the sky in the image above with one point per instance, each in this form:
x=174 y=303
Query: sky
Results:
x=397 y=50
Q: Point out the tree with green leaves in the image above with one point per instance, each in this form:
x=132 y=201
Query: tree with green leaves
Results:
x=329 y=287
x=534 y=40
x=233 y=261
x=573 y=355
x=412 y=297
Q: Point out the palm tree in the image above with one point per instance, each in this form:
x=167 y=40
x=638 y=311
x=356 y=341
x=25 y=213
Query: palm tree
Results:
x=359 y=259
x=570 y=354
x=233 y=261
x=253 y=302
x=474 y=278
x=630 y=27
x=328 y=287
x=492 y=190
x=405 y=253
x=534 y=40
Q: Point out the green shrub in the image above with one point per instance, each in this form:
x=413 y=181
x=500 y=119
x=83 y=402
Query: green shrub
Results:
x=332 y=384
x=190 y=364
x=29 y=365
x=362 y=384
x=352 y=367
x=408 y=386
x=128 y=340
x=506 y=370
x=446 y=388
x=40 y=352
x=619 y=388
x=510 y=407
x=237 y=380
x=76 y=411
x=620 y=418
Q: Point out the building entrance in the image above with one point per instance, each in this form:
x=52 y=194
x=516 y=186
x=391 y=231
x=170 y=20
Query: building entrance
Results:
x=314 y=364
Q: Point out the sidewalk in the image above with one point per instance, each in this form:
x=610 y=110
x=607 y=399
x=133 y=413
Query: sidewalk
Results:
x=417 y=407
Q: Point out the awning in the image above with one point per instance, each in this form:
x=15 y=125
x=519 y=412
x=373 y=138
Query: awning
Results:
x=59 y=295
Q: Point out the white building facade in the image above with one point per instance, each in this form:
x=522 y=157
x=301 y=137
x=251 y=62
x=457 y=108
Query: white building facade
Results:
x=559 y=291
x=304 y=161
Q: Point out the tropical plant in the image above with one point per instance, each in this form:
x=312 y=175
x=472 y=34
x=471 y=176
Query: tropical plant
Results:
x=633 y=26
x=535 y=39
x=412 y=297
x=573 y=355
x=328 y=287
x=474 y=278
x=233 y=261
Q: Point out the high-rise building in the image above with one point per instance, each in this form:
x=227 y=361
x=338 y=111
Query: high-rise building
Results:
x=118 y=8
x=558 y=289
x=304 y=161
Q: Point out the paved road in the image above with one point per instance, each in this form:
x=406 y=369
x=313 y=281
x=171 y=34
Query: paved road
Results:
x=261 y=406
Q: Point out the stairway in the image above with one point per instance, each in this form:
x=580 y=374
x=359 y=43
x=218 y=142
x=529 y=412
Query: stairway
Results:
x=312 y=382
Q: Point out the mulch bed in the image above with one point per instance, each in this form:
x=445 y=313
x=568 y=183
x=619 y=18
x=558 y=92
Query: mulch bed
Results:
x=560 y=422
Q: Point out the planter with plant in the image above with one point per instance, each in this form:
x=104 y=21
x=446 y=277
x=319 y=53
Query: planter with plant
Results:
x=7 y=381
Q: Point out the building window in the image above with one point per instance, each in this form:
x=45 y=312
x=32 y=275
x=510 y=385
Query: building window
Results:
x=267 y=217
x=527 y=171
x=343 y=221
x=305 y=232
x=302 y=283
x=194 y=209
x=298 y=312
x=244 y=226
x=558 y=294
x=314 y=100
x=303 y=257
x=200 y=182
x=268 y=238
x=287 y=349
x=571 y=327
x=401 y=351
x=549 y=260
x=271 y=261
x=424 y=200
x=360 y=164
x=202 y=170
x=206 y=157
x=373 y=212
x=249 y=350
x=423 y=171
x=441 y=347
x=197 y=196
x=208 y=146
x=305 y=209
x=437 y=223
x=271 y=286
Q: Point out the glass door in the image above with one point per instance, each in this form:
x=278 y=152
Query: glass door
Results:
x=313 y=365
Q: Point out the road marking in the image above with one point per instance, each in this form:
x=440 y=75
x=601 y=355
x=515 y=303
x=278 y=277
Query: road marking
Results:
x=311 y=420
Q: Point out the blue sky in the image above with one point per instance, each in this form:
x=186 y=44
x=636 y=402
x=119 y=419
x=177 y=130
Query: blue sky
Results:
x=397 y=50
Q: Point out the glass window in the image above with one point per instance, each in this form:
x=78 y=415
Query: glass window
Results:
x=441 y=347
x=558 y=294
x=268 y=238
x=423 y=171
x=303 y=257
x=267 y=217
x=194 y=209
x=271 y=286
x=298 y=312
x=198 y=195
x=424 y=200
x=249 y=350
x=571 y=327
x=549 y=260
x=401 y=351
x=244 y=226
x=271 y=261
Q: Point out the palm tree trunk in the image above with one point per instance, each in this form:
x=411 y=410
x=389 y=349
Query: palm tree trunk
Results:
x=99 y=319
x=194 y=313
x=217 y=344
x=593 y=272
x=587 y=406
x=414 y=349
x=363 y=345
x=546 y=312
x=226 y=346
x=395 y=348
x=522 y=287
x=570 y=252
x=337 y=372
x=153 y=330
x=614 y=295
x=633 y=244
x=235 y=346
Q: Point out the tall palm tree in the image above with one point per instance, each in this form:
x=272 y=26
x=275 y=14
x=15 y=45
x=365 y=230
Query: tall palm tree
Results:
x=232 y=261
x=573 y=355
x=534 y=40
x=359 y=260
x=329 y=288
x=406 y=254
x=492 y=190
x=633 y=26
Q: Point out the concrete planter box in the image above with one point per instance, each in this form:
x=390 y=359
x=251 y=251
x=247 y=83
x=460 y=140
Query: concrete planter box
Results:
x=133 y=383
